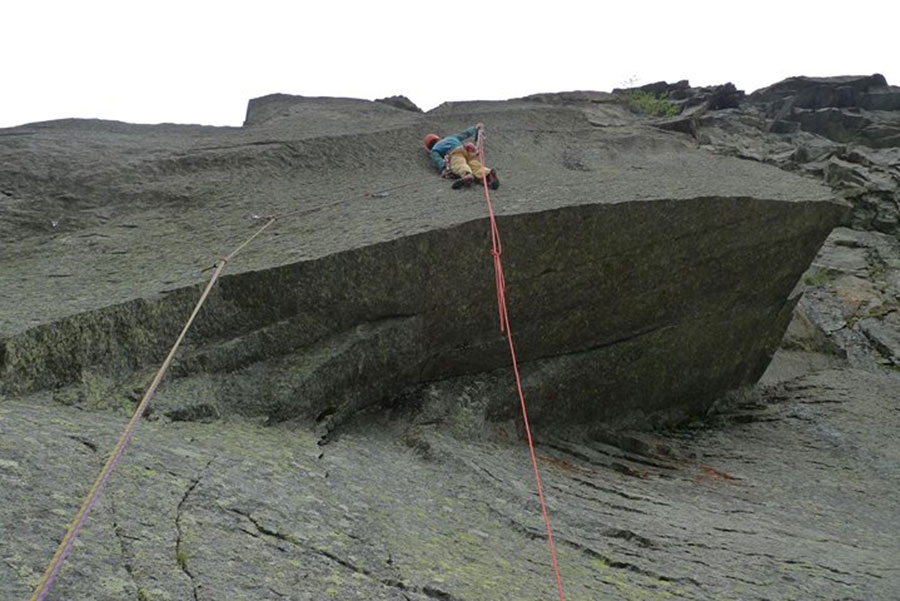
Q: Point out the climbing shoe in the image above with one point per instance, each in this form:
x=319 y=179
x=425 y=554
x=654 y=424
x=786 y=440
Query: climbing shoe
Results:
x=493 y=180
x=463 y=182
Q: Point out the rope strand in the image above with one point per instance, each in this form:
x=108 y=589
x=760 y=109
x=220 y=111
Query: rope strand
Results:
x=65 y=546
x=505 y=327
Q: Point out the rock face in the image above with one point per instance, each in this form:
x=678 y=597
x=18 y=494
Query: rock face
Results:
x=762 y=501
x=843 y=130
x=636 y=265
x=651 y=264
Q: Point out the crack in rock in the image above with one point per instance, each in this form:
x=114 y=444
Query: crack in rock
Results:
x=621 y=565
x=180 y=552
x=124 y=547
x=602 y=502
x=388 y=582
x=86 y=442
x=435 y=593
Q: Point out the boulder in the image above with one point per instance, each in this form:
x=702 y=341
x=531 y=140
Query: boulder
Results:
x=881 y=99
x=861 y=109
x=820 y=92
x=651 y=280
x=852 y=125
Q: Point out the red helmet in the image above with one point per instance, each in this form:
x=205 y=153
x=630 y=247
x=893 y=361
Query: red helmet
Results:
x=431 y=140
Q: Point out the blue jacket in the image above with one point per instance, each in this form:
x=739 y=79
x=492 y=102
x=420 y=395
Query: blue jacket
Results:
x=444 y=146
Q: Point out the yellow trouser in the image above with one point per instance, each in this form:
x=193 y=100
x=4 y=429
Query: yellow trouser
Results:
x=463 y=163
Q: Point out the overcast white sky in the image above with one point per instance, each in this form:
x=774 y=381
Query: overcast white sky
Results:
x=200 y=61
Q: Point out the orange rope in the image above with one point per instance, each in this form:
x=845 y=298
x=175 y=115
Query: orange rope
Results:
x=504 y=326
x=47 y=579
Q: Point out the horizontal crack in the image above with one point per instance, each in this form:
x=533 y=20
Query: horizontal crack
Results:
x=623 y=565
x=594 y=499
x=388 y=582
x=613 y=491
x=435 y=593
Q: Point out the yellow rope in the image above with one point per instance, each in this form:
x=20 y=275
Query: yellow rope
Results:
x=65 y=546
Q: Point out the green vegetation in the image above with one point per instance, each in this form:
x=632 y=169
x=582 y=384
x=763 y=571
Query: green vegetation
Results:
x=650 y=103
x=819 y=278
x=877 y=270
x=181 y=557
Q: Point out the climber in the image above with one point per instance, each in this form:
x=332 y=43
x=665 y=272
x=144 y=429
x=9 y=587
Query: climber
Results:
x=455 y=158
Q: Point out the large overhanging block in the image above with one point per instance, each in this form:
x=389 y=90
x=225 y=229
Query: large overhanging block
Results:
x=643 y=275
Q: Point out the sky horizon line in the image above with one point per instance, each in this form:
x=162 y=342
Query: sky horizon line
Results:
x=238 y=122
